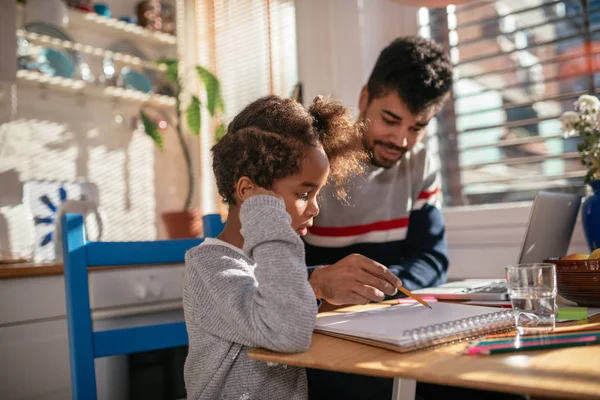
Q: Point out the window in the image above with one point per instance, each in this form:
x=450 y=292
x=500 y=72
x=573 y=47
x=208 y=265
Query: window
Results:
x=251 y=47
x=254 y=49
x=518 y=66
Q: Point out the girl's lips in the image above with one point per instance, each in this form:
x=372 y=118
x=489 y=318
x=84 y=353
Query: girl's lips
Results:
x=303 y=231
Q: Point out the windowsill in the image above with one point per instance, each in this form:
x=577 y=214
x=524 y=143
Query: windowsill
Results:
x=483 y=239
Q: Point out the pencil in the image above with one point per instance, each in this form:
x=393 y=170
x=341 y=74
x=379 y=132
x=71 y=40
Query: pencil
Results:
x=414 y=296
x=525 y=339
x=553 y=344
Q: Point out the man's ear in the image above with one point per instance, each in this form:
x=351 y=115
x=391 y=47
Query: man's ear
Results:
x=363 y=100
x=242 y=187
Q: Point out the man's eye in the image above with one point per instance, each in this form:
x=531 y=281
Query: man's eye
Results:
x=303 y=196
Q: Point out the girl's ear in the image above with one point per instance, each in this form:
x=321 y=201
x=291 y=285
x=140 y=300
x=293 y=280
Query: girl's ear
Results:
x=243 y=188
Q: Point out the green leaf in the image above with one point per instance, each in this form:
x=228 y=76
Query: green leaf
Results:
x=220 y=132
x=220 y=105
x=151 y=129
x=213 y=90
x=172 y=69
x=194 y=116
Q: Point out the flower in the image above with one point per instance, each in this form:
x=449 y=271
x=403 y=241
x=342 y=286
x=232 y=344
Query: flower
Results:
x=585 y=123
x=588 y=103
x=568 y=121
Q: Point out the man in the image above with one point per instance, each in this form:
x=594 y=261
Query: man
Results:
x=393 y=216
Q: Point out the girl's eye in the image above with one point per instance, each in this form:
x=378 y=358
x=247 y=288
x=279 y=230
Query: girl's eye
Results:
x=303 y=196
x=389 y=122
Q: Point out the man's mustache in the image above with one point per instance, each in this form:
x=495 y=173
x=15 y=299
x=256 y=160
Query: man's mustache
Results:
x=391 y=146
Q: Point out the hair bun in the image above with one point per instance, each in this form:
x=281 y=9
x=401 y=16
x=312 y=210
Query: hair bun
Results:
x=341 y=139
x=326 y=114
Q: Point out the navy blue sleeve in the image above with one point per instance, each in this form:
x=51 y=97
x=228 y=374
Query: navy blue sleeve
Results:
x=424 y=261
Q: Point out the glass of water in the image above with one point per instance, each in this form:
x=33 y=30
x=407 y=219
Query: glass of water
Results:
x=532 y=291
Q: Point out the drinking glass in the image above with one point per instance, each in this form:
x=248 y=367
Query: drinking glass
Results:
x=532 y=291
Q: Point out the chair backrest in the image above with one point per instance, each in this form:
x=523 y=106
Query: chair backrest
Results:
x=84 y=344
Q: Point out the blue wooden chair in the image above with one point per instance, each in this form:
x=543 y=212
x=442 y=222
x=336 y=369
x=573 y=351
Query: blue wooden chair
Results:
x=84 y=344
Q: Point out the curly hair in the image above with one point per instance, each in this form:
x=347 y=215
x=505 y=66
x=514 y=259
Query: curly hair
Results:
x=417 y=69
x=269 y=139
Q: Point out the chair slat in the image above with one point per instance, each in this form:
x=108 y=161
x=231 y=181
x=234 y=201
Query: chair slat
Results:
x=144 y=338
x=138 y=253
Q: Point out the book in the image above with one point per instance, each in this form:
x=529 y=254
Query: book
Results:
x=404 y=328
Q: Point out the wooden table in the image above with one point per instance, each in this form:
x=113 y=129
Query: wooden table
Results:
x=570 y=373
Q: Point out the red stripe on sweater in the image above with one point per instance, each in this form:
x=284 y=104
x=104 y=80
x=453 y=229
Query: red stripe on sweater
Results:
x=427 y=194
x=339 y=231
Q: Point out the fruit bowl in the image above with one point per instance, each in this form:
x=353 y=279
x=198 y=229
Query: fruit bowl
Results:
x=578 y=280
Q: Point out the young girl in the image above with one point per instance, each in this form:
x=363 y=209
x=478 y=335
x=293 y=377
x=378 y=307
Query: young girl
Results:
x=248 y=287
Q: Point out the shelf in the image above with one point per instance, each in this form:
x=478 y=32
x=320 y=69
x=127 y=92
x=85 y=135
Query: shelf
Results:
x=124 y=29
x=114 y=27
x=95 y=90
x=86 y=49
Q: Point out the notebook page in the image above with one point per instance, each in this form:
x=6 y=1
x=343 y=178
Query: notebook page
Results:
x=390 y=324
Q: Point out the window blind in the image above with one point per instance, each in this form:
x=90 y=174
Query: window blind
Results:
x=251 y=48
x=518 y=65
x=254 y=49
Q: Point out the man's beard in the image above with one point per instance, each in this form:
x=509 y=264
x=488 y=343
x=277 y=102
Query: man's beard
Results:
x=385 y=163
x=371 y=148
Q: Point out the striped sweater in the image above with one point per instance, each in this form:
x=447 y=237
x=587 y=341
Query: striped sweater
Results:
x=392 y=216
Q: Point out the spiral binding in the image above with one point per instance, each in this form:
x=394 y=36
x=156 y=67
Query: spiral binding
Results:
x=461 y=328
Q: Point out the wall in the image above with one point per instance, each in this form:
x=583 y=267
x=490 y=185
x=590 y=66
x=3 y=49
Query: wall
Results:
x=46 y=134
x=59 y=136
x=339 y=41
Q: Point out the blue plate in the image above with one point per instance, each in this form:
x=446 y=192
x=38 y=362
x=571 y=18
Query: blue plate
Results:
x=135 y=80
x=53 y=31
x=55 y=63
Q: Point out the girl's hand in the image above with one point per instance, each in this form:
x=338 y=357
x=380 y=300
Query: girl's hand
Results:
x=256 y=190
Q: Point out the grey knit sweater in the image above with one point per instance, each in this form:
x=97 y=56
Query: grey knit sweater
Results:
x=236 y=300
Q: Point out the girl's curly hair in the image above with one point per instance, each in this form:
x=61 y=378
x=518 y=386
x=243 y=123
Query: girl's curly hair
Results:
x=269 y=139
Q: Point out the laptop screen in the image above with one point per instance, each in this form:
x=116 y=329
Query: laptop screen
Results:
x=551 y=222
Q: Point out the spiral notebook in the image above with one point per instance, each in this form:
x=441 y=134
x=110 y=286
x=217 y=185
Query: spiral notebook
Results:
x=406 y=328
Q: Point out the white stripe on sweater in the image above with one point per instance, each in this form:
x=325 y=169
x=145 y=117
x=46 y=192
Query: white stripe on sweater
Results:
x=391 y=235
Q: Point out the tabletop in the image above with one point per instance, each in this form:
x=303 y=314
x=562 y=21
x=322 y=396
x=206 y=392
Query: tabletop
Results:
x=572 y=373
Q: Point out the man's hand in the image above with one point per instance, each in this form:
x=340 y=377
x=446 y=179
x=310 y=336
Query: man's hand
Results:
x=354 y=279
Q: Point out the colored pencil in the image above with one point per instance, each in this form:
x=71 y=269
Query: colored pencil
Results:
x=529 y=346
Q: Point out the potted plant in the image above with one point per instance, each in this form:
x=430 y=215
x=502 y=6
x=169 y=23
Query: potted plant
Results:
x=186 y=222
x=585 y=123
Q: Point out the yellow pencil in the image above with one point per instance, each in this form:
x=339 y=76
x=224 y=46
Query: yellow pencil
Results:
x=414 y=296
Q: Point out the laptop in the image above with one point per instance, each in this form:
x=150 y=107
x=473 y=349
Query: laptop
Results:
x=548 y=234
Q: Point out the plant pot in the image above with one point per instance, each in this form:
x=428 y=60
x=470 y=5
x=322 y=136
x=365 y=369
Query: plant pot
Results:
x=183 y=224
x=590 y=216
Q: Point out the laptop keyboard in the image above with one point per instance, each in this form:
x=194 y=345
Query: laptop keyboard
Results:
x=494 y=288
